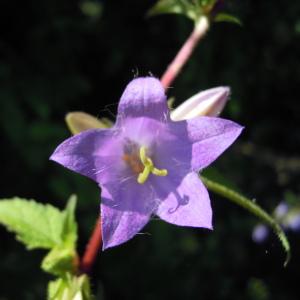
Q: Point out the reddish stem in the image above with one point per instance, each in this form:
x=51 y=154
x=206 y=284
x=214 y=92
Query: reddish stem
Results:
x=92 y=248
x=185 y=52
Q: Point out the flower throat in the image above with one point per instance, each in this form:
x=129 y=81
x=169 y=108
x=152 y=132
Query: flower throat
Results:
x=142 y=165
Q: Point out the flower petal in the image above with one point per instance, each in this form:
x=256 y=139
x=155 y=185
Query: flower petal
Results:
x=144 y=96
x=187 y=204
x=125 y=210
x=93 y=153
x=204 y=139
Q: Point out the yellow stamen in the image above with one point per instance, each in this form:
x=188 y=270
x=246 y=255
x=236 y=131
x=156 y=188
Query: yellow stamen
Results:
x=148 y=167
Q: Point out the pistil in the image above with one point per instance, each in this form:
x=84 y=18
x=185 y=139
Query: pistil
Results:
x=148 y=167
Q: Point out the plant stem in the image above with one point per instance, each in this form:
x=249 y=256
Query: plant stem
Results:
x=185 y=52
x=253 y=208
x=92 y=249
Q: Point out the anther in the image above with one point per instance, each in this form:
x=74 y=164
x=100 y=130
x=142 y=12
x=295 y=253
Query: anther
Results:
x=148 y=167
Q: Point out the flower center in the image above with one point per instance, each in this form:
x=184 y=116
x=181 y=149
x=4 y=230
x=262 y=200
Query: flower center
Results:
x=142 y=165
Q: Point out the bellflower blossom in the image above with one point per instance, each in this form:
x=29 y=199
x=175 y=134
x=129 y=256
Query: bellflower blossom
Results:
x=147 y=164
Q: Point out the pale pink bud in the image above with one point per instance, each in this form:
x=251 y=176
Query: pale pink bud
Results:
x=206 y=103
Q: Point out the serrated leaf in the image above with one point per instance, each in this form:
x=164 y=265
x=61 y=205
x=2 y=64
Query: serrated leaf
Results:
x=79 y=121
x=223 y=17
x=36 y=225
x=189 y=9
x=70 y=288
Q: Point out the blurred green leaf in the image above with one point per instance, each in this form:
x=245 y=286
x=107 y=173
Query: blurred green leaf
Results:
x=70 y=288
x=36 y=225
x=223 y=17
x=91 y=9
x=257 y=289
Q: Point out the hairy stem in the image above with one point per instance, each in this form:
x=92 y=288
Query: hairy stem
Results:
x=185 y=52
x=251 y=207
x=92 y=249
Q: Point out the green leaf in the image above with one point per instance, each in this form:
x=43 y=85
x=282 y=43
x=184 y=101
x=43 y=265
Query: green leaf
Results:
x=223 y=17
x=36 y=225
x=69 y=288
x=63 y=258
x=44 y=226
x=69 y=232
x=189 y=9
x=92 y=9
x=60 y=260
x=251 y=207
x=80 y=121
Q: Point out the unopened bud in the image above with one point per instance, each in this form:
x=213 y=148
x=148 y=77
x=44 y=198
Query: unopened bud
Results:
x=79 y=121
x=206 y=103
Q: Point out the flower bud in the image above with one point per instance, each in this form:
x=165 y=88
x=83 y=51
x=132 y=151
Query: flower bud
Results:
x=206 y=103
x=79 y=121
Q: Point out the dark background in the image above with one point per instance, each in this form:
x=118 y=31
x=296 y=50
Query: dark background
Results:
x=56 y=58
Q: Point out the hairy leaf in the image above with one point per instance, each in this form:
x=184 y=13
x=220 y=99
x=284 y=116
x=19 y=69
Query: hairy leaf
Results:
x=40 y=225
x=36 y=225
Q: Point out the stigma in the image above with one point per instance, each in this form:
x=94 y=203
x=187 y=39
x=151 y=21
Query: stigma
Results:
x=142 y=165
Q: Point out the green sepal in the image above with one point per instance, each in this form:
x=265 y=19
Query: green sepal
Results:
x=223 y=17
x=78 y=121
x=70 y=287
x=253 y=208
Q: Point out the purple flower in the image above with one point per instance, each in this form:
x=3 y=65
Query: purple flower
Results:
x=146 y=164
x=293 y=222
x=281 y=210
x=260 y=233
